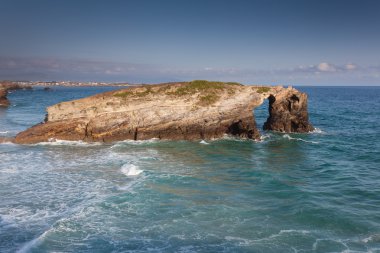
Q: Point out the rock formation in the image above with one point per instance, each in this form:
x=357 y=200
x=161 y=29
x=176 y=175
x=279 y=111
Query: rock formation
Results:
x=288 y=112
x=175 y=111
x=6 y=86
x=3 y=97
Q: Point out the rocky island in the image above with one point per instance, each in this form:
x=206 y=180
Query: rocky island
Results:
x=173 y=111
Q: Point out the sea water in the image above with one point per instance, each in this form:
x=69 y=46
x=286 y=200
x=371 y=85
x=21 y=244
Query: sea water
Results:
x=317 y=192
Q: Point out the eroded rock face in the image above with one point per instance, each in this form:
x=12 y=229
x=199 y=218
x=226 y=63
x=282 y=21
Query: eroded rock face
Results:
x=3 y=97
x=288 y=112
x=177 y=111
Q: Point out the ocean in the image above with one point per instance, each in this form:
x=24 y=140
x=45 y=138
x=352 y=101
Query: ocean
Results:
x=316 y=192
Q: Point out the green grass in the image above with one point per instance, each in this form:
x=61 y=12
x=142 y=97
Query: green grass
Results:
x=208 y=90
x=201 y=86
x=130 y=93
x=144 y=93
x=263 y=89
x=208 y=99
x=234 y=83
x=123 y=94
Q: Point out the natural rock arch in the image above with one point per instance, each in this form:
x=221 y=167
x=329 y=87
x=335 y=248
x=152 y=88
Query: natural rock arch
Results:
x=175 y=111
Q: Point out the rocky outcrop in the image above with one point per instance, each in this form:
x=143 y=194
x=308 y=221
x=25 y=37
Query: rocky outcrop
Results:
x=3 y=97
x=174 y=111
x=6 y=86
x=288 y=112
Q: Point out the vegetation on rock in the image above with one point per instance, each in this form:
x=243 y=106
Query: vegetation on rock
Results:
x=263 y=89
x=208 y=90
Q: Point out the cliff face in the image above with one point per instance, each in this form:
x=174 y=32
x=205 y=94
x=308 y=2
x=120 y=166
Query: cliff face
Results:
x=186 y=111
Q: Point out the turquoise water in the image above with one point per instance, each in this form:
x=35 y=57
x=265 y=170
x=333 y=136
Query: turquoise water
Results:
x=317 y=192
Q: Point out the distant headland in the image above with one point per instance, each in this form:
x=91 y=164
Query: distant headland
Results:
x=68 y=83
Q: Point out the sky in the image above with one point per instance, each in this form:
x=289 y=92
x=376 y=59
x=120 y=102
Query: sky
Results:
x=293 y=42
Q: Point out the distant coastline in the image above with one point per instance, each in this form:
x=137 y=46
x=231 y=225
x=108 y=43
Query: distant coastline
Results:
x=69 y=83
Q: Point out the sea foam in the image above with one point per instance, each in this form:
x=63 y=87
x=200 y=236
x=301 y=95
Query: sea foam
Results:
x=318 y=131
x=57 y=142
x=130 y=170
x=287 y=136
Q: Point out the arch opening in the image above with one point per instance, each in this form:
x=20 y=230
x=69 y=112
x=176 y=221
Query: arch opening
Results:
x=261 y=114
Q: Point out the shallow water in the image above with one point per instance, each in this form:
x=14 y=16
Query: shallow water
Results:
x=317 y=192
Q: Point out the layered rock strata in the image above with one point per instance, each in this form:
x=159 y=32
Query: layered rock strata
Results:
x=175 y=111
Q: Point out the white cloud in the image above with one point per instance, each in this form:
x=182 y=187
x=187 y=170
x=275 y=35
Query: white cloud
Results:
x=350 y=66
x=82 y=69
x=326 y=67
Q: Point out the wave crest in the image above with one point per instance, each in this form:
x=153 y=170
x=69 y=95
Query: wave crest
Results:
x=130 y=170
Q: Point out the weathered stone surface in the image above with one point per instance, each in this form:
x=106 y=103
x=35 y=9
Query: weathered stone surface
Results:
x=6 y=139
x=288 y=112
x=176 y=111
x=3 y=97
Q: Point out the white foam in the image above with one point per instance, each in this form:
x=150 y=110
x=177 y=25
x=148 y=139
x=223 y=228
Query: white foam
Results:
x=372 y=238
x=265 y=136
x=246 y=242
x=294 y=231
x=317 y=131
x=57 y=142
x=8 y=143
x=130 y=170
x=287 y=136
x=204 y=142
x=4 y=132
x=133 y=142
x=231 y=138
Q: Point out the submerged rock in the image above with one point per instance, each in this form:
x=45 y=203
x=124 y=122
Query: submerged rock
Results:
x=174 y=111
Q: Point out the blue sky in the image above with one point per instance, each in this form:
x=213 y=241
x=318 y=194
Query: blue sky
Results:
x=298 y=42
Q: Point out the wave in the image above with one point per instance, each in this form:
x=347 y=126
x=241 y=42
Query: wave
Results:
x=133 y=142
x=231 y=138
x=57 y=142
x=317 y=131
x=248 y=242
x=287 y=136
x=264 y=137
x=130 y=170
x=7 y=143
x=372 y=238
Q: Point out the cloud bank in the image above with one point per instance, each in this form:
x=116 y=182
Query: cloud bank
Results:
x=48 y=69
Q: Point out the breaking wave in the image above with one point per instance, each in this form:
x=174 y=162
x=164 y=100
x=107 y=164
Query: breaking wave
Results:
x=57 y=142
x=130 y=170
